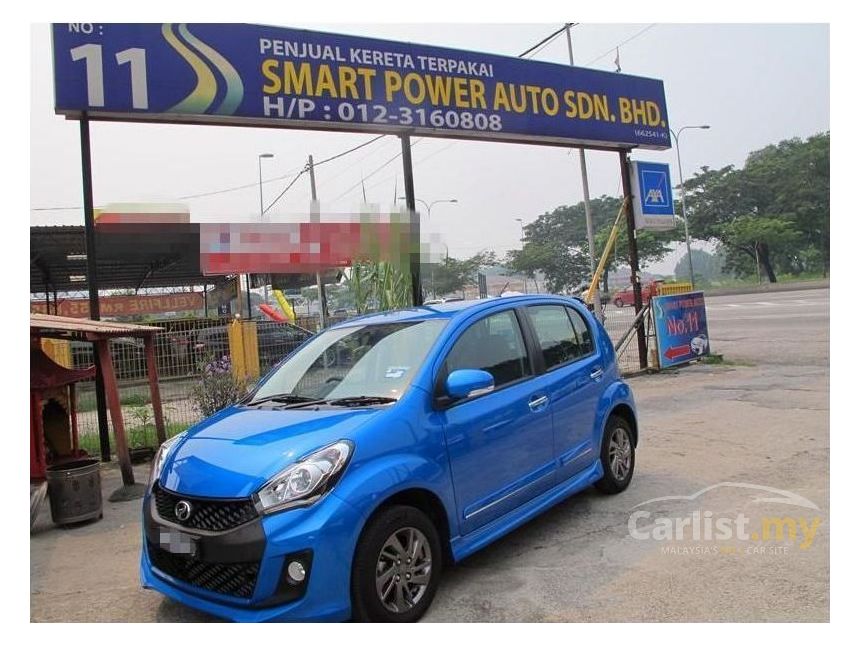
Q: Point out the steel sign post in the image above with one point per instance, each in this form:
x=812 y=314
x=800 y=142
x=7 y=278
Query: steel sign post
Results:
x=246 y=75
x=633 y=252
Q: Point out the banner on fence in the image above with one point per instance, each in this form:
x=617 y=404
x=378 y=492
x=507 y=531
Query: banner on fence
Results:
x=122 y=305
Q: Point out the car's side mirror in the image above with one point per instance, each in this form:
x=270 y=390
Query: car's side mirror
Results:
x=463 y=384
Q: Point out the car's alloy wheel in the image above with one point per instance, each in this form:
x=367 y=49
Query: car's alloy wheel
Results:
x=617 y=456
x=620 y=454
x=396 y=566
x=403 y=570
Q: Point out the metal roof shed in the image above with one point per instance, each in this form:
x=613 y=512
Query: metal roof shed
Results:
x=99 y=332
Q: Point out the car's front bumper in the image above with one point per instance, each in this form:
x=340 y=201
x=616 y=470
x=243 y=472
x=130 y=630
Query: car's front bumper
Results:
x=323 y=534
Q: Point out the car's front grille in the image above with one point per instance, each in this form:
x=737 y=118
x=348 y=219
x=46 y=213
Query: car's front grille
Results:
x=206 y=514
x=232 y=579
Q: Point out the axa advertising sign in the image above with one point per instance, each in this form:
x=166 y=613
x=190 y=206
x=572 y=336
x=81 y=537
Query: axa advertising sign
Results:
x=239 y=74
x=653 y=206
x=681 y=324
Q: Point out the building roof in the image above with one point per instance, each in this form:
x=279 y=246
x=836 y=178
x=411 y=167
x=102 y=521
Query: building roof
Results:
x=85 y=329
x=127 y=257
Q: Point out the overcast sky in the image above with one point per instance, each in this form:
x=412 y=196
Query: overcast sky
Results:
x=753 y=84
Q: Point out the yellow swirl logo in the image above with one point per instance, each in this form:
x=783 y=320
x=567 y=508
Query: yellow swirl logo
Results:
x=197 y=54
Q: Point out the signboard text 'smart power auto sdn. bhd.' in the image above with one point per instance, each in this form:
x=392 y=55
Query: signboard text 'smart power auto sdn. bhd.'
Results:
x=257 y=75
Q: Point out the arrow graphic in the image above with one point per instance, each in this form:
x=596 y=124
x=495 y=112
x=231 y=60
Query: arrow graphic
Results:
x=675 y=352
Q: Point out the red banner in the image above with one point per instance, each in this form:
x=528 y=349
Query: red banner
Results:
x=305 y=247
x=122 y=305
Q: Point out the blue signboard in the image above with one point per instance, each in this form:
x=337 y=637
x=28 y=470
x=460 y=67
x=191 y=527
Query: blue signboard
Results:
x=653 y=206
x=682 y=327
x=238 y=74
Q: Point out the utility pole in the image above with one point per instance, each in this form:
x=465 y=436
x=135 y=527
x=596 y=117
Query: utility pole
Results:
x=93 y=282
x=260 y=157
x=589 y=225
x=315 y=218
x=414 y=222
x=634 y=257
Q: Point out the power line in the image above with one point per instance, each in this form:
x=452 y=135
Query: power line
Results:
x=535 y=48
x=623 y=42
x=342 y=154
x=320 y=163
x=284 y=191
x=412 y=144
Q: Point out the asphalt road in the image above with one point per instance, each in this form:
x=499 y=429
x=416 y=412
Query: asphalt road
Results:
x=754 y=429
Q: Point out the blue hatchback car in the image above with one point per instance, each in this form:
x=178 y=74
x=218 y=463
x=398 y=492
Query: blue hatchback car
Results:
x=381 y=449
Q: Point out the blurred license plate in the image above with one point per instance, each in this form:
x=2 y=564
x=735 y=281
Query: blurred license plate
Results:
x=177 y=542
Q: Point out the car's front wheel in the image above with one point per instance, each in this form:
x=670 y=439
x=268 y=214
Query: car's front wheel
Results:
x=617 y=455
x=619 y=303
x=397 y=566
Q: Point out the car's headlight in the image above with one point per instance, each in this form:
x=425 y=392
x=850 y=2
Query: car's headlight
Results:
x=305 y=481
x=161 y=457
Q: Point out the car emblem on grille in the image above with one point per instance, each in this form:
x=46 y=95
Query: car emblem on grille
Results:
x=182 y=510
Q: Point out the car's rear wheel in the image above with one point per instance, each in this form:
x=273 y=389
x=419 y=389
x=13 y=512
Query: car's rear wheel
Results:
x=617 y=455
x=619 y=303
x=397 y=566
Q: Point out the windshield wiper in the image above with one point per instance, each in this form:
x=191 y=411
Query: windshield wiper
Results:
x=360 y=400
x=296 y=399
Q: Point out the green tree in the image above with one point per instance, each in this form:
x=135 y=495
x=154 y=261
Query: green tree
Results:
x=453 y=275
x=774 y=211
x=706 y=266
x=556 y=244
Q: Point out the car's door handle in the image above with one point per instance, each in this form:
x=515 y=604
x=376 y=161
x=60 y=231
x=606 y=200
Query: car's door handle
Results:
x=596 y=373
x=538 y=402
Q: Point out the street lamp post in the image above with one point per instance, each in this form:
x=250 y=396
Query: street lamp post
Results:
x=522 y=248
x=683 y=193
x=265 y=155
x=431 y=204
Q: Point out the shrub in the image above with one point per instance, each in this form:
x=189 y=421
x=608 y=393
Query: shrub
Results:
x=217 y=387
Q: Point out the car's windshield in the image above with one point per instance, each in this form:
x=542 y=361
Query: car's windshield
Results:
x=360 y=361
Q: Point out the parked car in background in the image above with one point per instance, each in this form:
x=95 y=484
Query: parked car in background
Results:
x=624 y=297
x=274 y=341
x=384 y=447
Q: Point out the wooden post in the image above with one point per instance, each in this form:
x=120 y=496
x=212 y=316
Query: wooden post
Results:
x=73 y=415
x=112 y=393
x=154 y=393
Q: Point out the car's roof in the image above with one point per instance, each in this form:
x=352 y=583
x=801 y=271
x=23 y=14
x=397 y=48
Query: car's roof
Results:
x=444 y=310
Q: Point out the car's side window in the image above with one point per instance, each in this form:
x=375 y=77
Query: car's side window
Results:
x=583 y=333
x=494 y=344
x=555 y=334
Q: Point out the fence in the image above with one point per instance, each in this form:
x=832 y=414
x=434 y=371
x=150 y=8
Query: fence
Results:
x=183 y=348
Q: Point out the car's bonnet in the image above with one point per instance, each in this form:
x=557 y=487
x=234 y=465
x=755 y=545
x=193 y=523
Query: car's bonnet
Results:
x=235 y=452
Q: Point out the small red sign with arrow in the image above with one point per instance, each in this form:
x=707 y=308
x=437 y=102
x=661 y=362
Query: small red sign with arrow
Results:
x=676 y=352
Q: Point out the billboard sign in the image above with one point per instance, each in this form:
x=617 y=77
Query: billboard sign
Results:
x=239 y=74
x=681 y=324
x=653 y=206
x=122 y=305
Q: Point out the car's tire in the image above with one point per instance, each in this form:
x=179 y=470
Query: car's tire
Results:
x=398 y=600
x=617 y=455
x=619 y=303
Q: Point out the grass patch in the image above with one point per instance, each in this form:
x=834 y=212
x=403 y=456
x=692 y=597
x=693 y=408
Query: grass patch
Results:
x=719 y=359
x=138 y=437
x=87 y=402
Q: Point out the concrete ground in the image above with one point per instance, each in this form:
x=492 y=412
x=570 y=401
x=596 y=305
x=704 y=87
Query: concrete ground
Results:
x=760 y=419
